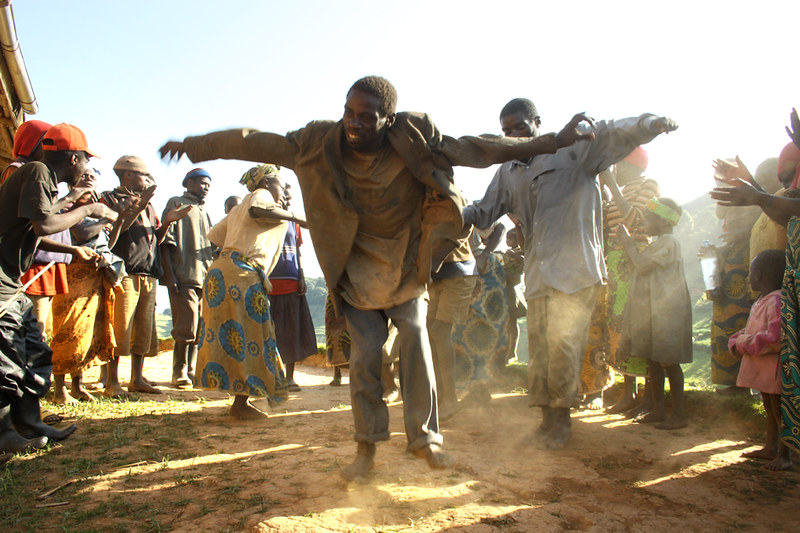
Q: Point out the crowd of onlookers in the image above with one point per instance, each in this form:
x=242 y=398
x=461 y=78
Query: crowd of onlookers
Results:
x=416 y=284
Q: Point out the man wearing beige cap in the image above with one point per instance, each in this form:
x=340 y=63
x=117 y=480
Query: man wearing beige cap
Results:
x=137 y=245
x=28 y=211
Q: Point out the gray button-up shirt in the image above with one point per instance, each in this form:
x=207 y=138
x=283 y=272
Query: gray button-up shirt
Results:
x=557 y=199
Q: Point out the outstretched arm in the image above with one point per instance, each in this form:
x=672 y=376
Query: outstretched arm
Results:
x=777 y=208
x=244 y=144
x=277 y=213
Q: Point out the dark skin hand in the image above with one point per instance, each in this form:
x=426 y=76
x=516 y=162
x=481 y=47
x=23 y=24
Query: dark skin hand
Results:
x=777 y=208
x=570 y=133
x=172 y=150
x=734 y=174
x=794 y=129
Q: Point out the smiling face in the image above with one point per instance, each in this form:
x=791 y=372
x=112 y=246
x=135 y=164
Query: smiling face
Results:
x=518 y=125
x=364 y=126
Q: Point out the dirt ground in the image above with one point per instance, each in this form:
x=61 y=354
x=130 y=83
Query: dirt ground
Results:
x=178 y=463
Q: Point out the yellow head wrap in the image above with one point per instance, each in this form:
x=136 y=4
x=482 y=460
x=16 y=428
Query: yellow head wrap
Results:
x=253 y=177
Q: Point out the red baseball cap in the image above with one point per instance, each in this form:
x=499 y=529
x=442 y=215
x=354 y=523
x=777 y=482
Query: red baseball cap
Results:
x=66 y=137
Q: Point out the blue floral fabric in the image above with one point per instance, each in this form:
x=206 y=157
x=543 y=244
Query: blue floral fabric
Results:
x=238 y=352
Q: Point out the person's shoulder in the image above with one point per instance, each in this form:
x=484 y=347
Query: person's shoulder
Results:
x=413 y=118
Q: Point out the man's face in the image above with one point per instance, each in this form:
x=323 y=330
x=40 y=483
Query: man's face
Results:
x=364 y=126
x=198 y=186
x=136 y=182
x=517 y=125
x=76 y=168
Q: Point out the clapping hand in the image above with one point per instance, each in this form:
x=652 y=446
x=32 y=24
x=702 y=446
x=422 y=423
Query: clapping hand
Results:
x=794 y=129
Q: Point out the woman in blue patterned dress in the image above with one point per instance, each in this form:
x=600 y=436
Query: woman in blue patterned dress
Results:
x=238 y=353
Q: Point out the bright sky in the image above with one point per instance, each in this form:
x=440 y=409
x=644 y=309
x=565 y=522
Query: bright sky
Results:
x=135 y=74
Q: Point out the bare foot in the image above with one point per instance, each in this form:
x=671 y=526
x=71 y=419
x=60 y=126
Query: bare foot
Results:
x=595 y=405
x=673 y=422
x=762 y=453
x=336 y=381
x=435 y=456
x=61 y=397
x=246 y=411
x=649 y=418
x=779 y=463
x=116 y=392
x=81 y=394
x=142 y=386
x=621 y=406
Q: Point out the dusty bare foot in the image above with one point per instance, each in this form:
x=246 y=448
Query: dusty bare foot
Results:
x=362 y=464
x=81 y=394
x=649 y=418
x=779 y=463
x=621 y=406
x=336 y=381
x=673 y=422
x=762 y=453
x=435 y=456
x=245 y=411
x=116 y=392
x=61 y=397
x=595 y=405
x=142 y=386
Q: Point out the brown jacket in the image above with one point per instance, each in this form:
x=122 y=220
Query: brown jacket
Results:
x=315 y=153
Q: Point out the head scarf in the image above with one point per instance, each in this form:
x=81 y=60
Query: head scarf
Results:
x=253 y=177
x=638 y=158
x=663 y=210
x=790 y=158
x=28 y=136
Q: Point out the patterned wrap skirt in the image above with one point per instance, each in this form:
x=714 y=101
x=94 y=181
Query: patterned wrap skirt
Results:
x=483 y=339
x=83 y=321
x=790 y=343
x=238 y=352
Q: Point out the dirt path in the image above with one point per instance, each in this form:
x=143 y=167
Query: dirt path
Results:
x=179 y=464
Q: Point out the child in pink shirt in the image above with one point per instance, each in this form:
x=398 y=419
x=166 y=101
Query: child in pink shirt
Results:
x=759 y=345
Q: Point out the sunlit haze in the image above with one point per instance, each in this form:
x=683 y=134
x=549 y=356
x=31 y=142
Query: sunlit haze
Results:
x=135 y=74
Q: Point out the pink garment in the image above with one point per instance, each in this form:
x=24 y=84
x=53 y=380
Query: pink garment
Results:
x=759 y=343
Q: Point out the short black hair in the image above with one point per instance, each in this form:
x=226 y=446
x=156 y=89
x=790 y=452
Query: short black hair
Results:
x=381 y=89
x=520 y=105
x=771 y=264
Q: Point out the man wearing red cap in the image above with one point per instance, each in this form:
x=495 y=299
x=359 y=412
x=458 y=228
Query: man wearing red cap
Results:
x=187 y=253
x=27 y=212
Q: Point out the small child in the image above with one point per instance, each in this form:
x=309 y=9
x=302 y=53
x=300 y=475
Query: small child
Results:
x=657 y=324
x=759 y=345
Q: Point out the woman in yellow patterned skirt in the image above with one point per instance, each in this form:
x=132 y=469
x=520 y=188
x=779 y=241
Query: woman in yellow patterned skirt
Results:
x=237 y=350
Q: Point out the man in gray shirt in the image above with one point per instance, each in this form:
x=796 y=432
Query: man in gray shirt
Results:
x=556 y=197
